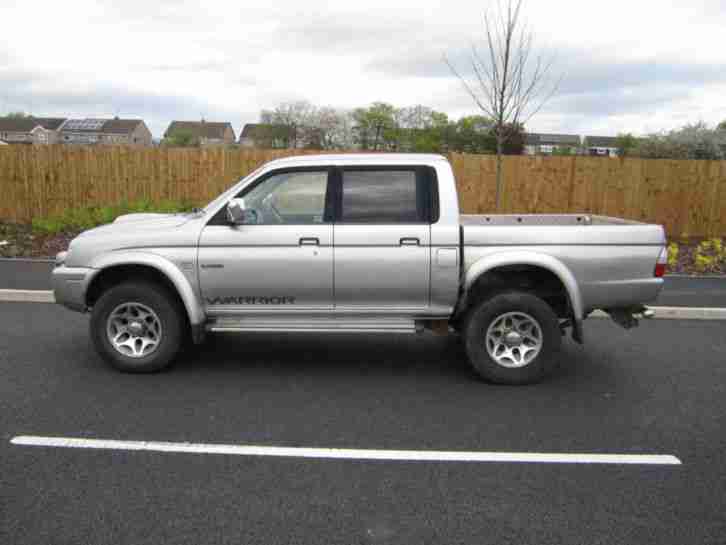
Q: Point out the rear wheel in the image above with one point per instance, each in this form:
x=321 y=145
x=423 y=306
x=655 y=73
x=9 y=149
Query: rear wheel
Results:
x=512 y=338
x=137 y=327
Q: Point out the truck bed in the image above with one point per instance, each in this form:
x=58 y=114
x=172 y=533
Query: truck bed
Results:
x=612 y=259
x=557 y=229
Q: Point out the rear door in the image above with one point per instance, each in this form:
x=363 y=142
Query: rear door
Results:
x=382 y=238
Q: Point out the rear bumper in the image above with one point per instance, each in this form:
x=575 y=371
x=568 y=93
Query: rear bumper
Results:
x=621 y=293
x=69 y=286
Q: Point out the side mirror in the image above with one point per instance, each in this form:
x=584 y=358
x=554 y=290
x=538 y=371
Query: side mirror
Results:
x=238 y=214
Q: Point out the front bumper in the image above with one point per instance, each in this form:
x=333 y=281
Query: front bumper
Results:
x=70 y=285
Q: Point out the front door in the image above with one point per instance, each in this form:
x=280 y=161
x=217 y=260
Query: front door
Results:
x=383 y=239
x=284 y=261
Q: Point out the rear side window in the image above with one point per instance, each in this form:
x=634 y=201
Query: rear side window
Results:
x=384 y=196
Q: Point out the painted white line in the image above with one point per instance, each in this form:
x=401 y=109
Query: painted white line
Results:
x=348 y=454
x=27 y=296
x=678 y=313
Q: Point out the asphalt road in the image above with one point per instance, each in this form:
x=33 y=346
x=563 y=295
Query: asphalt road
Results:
x=693 y=292
x=678 y=291
x=660 y=389
x=21 y=274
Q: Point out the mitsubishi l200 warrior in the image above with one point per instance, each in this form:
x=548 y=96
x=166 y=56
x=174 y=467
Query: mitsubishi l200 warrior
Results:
x=357 y=244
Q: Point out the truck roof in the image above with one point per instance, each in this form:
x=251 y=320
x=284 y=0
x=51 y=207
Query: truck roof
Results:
x=359 y=158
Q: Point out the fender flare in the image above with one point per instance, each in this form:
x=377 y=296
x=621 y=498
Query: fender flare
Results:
x=545 y=261
x=180 y=282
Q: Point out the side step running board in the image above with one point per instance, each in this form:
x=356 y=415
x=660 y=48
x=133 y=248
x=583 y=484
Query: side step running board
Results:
x=314 y=324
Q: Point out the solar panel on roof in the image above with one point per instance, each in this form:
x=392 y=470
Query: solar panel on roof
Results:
x=84 y=124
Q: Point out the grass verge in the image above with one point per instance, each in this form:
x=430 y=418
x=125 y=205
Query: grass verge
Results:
x=80 y=219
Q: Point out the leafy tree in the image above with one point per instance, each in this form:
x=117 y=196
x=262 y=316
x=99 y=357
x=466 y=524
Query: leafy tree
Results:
x=626 y=144
x=722 y=125
x=474 y=135
x=181 y=139
x=564 y=150
x=16 y=115
x=380 y=126
x=294 y=118
x=374 y=125
x=514 y=144
x=695 y=141
x=419 y=129
x=335 y=128
x=302 y=124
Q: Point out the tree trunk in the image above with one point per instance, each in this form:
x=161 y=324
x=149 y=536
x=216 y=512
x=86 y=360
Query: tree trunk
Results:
x=499 y=175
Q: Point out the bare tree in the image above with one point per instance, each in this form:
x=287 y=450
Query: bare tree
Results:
x=509 y=83
x=295 y=116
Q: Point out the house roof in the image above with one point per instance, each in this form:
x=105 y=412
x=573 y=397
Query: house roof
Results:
x=200 y=129
x=602 y=141
x=27 y=124
x=261 y=130
x=106 y=126
x=540 y=139
x=121 y=126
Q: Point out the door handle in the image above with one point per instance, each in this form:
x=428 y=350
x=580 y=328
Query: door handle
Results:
x=409 y=242
x=310 y=241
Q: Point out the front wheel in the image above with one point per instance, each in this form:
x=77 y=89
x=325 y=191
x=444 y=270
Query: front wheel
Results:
x=512 y=338
x=137 y=327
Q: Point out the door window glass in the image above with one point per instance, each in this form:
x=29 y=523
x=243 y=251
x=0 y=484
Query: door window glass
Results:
x=290 y=198
x=382 y=196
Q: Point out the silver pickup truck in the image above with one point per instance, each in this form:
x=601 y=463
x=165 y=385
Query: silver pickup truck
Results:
x=357 y=244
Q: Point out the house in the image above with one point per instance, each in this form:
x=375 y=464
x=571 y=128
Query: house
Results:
x=604 y=146
x=547 y=144
x=131 y=132
x=203 y=133
x=264 y=135
x=30 y=130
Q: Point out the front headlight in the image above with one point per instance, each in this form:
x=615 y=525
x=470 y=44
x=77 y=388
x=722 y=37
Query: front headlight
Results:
x=60 y=258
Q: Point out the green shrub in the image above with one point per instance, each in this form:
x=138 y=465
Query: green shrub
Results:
x=710 y=255
x=673 y=251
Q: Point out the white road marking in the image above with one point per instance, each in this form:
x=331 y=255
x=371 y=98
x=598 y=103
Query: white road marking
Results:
x=348 y=454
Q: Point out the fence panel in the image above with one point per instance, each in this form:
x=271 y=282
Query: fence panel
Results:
x=688 y=197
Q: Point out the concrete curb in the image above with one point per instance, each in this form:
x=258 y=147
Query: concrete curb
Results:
x=27 y=296
x=678 y=313
x=26 y=260
x=661 y=313
x=697 y=276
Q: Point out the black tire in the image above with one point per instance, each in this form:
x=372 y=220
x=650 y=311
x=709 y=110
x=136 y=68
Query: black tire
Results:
x=156 y=298
x=485 y=313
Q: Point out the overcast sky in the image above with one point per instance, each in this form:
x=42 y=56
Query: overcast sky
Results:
x=628 y=65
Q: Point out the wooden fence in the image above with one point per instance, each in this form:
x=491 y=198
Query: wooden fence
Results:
x=688 y=197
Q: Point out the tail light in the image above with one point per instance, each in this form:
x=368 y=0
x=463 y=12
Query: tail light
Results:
x=661 y=264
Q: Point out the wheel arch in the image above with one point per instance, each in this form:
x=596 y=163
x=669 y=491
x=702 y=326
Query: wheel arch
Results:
x=116 y=267
x=499 y=264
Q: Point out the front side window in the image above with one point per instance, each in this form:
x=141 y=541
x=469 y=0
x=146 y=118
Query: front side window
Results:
x=290 y=198
x=382 y=196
